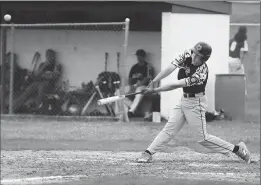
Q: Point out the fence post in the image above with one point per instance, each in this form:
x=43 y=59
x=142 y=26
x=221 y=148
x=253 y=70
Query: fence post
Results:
x=123 y=113
x=11 y=93
x=2 y=59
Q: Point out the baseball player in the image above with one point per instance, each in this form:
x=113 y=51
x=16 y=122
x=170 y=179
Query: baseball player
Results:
x=192 y=77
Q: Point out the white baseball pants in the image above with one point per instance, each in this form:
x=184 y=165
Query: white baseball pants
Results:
x=193 y=111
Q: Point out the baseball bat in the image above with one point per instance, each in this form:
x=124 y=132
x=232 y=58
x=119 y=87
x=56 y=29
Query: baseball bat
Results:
x=35 y=60
x=115 y=98
x=110 y=111
x=118 y=62
x=106 y=60
x=88 y=103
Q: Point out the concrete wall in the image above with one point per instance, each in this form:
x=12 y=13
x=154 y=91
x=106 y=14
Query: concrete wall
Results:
x=183 y=31
x=82 y=53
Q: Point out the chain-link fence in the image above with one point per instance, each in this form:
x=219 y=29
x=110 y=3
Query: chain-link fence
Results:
x=62 y=69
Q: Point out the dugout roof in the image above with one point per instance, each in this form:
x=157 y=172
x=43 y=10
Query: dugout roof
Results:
x=145 y=15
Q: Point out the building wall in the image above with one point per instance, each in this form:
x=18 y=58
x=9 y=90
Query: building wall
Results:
x=82 y=53
x=177 y=37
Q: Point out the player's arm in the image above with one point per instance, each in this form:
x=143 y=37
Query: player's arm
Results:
x=177 y=63
x=164 y=73
x=197 y=78
x=130 y=76
x=243 y=50
x=38 y=73
x=49 y=75
x=171 y=86
x=147 y=77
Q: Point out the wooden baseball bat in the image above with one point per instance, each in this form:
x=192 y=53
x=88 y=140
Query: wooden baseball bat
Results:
x=115 y=98
x=84 y=110
x=106 y=60
x=35 y=60
x=118 y=62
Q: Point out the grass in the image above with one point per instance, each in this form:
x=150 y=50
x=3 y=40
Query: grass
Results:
x=41 y=135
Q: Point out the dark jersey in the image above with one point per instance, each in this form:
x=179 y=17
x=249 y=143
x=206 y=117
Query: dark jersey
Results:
x=236 y=52
x=50 y=68
x=195 y=76
x=140 y=72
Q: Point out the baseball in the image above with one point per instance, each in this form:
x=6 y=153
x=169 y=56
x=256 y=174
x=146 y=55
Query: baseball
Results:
x=7 y=17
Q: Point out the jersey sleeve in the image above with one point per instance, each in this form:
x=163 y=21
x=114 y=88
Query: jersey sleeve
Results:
x=233 y=46
x=199 y=77
x=180 y=60
x=245 y=48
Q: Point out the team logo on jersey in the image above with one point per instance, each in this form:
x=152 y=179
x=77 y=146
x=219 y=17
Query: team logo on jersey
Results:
x=199 y=47
x=187 y=71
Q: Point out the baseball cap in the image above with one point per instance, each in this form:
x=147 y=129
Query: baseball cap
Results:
x=140 y=52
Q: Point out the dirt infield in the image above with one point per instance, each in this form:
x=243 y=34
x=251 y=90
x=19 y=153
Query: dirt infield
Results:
x=91 y=165
x=38 y=151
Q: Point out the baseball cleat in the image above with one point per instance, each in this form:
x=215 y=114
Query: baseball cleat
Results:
x=145 y=158
x=243 y=152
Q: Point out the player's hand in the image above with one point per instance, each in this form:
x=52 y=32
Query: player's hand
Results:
x=151 y=84
x=148 y=91
x=137 y=84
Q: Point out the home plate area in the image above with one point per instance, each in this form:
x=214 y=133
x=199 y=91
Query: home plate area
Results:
x=183 y=166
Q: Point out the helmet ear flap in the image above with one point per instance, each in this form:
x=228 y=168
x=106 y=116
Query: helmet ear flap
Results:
x=205 y=58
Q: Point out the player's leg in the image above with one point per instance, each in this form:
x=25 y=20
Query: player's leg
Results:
x=43 y=87
x=136 y=101
x=170 y=130
x=194 y=110
x=234 y=65
x=18 y=102
x=128 y=89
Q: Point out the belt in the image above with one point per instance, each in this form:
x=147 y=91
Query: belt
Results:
x=193 y=95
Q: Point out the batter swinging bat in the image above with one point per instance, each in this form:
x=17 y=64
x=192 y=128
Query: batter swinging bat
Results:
x=115 y=98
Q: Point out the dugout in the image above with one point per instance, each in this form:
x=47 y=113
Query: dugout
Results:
x=145 y=32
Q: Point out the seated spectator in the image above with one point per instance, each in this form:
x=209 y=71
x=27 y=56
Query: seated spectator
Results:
x=238 y=47
x=139 y=77
x=18 y=81
x=43 y=81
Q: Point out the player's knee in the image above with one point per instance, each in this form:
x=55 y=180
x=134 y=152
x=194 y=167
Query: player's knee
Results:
x=202 y=135
x=206 y=136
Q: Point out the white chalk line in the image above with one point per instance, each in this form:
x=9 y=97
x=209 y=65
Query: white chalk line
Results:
x=52 y=179
x=37 y=180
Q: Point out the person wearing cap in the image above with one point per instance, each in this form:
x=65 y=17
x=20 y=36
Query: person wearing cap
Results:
x=192 y=77
x=139 y=77
x=238 y=47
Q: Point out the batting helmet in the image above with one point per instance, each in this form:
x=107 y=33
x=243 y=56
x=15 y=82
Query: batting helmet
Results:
x=202 y=49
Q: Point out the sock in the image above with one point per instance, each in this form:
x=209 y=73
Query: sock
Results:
x=236 y=148
x=147 y=151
